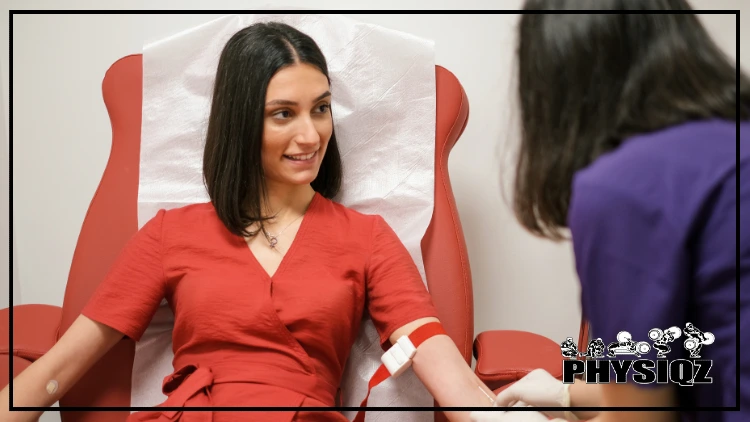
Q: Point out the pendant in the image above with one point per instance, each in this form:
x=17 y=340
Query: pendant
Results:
x=272 y=242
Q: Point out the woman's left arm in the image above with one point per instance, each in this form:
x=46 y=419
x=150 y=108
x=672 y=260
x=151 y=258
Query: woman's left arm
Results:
x=607 y=395
x=631 y=395
x=442 y=369
x=396 y=294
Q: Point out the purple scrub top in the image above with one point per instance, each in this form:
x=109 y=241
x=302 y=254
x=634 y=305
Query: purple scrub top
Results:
x=657 y=240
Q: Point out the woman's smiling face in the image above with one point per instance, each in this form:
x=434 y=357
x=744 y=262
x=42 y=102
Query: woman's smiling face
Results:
x=297 y=124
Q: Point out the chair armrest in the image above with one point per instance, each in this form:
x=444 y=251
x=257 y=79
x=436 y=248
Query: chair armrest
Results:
x=505 y=356
x=34 y=330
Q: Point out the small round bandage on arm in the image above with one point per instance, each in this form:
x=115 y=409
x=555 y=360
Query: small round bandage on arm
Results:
x=51 y=387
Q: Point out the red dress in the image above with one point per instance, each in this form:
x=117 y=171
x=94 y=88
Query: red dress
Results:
x=242 y=338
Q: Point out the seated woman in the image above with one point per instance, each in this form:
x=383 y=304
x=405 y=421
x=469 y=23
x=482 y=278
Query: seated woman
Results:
x=269 y=281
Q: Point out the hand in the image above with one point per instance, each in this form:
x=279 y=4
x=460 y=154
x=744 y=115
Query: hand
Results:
x=501 y=416
x=538 y=389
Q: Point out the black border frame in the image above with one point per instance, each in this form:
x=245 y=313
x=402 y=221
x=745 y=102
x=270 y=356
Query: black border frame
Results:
x=394 y=409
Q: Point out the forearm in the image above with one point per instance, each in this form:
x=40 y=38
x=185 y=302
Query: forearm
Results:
x=590 y=395
x=45 y=381
x=585 y=395
x=28 y=391
x=452 y=383
x=634 y=416
x=622 y=395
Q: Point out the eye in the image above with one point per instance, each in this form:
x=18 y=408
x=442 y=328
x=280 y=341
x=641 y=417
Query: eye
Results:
x=282 y=114
x=324 y=108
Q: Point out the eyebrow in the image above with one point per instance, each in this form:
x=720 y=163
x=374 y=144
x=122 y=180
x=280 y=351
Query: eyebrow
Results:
x=292 y=103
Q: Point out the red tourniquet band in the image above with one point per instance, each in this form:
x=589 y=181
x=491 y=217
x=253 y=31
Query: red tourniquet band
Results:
x=417 y=337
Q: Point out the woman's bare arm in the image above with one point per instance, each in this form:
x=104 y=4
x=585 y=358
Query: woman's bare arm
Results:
x=585 y=395
x=442 y=369
x=84 y=343
x=624 y=395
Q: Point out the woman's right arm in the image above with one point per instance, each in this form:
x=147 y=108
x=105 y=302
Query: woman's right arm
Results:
x=85 y=342
x=126 y=300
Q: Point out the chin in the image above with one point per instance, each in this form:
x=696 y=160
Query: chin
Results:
x=301 y=179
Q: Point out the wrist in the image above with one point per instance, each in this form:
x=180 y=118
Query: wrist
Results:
x=566 y=403
x=582 y=394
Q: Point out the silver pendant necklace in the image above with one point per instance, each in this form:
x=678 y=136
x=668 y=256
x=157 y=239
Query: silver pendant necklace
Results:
x=273 y=239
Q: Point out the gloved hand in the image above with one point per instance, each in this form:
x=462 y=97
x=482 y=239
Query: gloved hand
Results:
x=538 y=389
x=484 y=416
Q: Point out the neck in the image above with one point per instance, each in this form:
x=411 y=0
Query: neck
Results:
x=285 y=201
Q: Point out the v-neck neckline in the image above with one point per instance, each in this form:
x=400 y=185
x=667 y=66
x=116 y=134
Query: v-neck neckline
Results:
x=292 y=248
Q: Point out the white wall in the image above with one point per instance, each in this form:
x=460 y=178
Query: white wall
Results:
x=4 y=181
x=4 y=214
x=61 y=141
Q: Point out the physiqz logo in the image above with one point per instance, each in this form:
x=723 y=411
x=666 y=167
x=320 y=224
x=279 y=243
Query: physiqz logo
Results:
x=597 y=366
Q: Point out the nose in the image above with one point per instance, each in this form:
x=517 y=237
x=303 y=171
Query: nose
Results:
x=307 y=133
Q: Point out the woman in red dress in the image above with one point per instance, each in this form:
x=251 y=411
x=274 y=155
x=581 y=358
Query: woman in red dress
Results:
x=268 y=281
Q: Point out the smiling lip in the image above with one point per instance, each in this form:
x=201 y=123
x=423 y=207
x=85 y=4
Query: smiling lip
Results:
x=302 y=158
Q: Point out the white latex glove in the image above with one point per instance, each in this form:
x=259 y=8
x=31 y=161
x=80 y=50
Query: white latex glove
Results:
x=538 y=389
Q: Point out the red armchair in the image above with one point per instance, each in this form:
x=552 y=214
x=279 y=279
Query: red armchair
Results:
x=100 y=241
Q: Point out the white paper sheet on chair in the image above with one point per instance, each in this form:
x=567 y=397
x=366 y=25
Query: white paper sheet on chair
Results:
x=383 y=85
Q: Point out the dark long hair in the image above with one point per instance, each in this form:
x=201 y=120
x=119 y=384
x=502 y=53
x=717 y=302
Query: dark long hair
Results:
x=587 y=82
x=232 y=166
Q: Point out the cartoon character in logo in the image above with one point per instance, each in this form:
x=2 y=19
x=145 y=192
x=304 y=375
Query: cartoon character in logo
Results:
x=662 y=338
x=569 y=348
x=595 y=349
x=626 y=346
x=696 y=339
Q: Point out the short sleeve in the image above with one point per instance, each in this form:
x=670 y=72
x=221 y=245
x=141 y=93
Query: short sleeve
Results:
x=130 y=294
x=632 y=263
x=396 y=294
